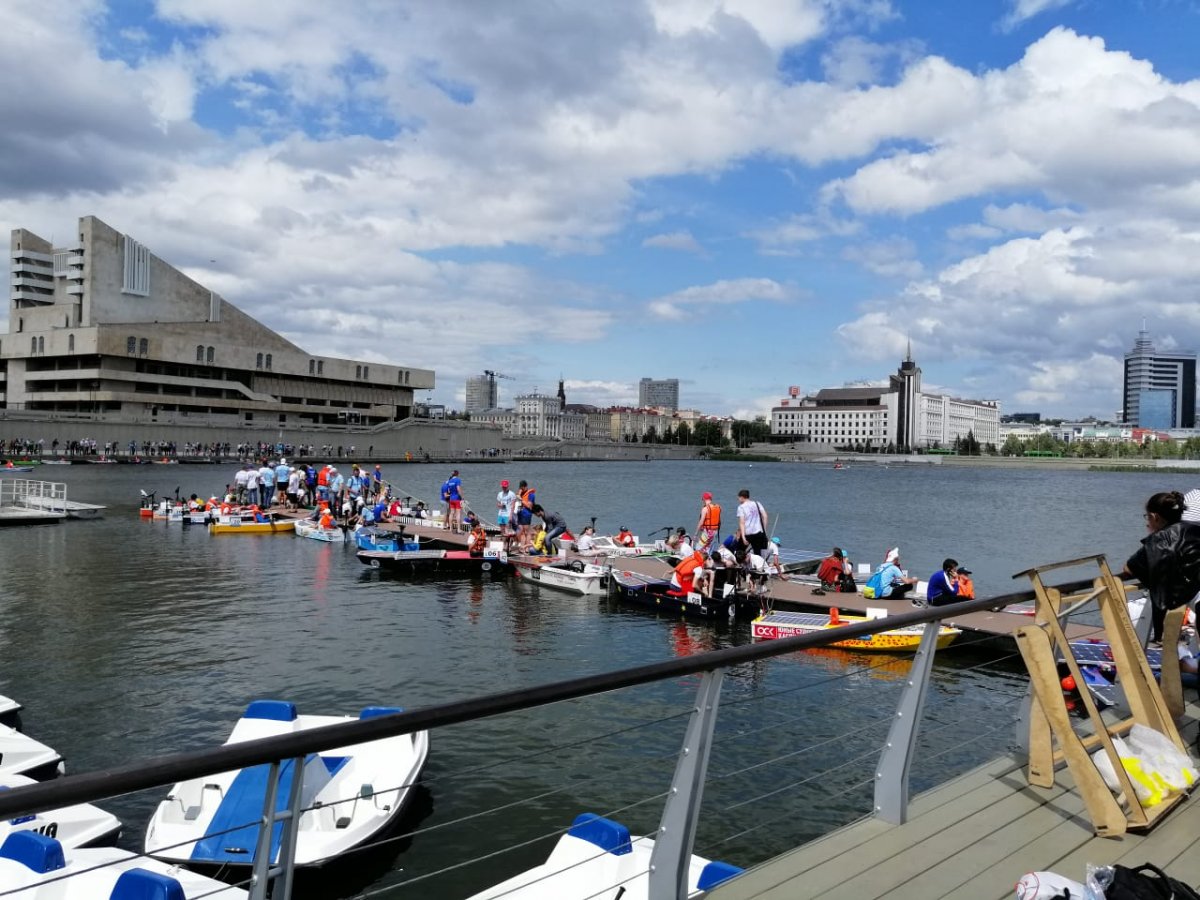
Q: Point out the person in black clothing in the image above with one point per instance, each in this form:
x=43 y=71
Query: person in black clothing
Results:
x=1168 y=562
x=555 y=525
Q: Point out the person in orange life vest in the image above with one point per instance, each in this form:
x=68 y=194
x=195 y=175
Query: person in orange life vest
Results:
x=709 y=526
x=966 y=587
x=623 y=538
x=683 y=578
x=478 y=540
x=326 y=520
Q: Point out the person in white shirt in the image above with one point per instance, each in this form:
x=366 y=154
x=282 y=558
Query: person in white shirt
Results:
x=239 y=482
x=252 y=486
x=586 y=542
x=266 y=487
x=752 y=522
x=506 y=513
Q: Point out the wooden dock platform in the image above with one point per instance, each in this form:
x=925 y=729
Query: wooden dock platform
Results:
x=971 y=838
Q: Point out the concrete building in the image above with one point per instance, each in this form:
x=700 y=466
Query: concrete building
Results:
x=632 y=424
x=1159 y=387
x=481 y=394
x=103 y=326
x=538 y=415
x=663 y=393
x=873 y=417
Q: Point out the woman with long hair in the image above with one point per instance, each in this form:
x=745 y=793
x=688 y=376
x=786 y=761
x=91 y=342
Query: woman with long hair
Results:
x=1168 y=562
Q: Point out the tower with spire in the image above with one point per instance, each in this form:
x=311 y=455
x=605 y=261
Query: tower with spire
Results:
x=906 y=383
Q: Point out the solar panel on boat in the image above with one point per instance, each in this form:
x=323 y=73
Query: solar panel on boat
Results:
x=796 y=618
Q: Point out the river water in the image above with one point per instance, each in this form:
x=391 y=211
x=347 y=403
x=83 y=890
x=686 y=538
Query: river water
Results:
x=127 y=638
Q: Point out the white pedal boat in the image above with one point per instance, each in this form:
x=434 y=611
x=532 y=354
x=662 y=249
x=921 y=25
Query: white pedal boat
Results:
x=349 y=795
x=9 y=710
x=81 y=825
x=313 y=531
x=35 y=867
x=576 y=576
x=22 y=755
x=597 y=856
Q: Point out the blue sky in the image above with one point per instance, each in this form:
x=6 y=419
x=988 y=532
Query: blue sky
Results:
x=743 y=194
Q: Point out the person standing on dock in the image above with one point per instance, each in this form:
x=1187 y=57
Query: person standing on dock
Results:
x=452 y=493
x=752 y=522
x=526 y=499
x=709 y=526
x=506 y=502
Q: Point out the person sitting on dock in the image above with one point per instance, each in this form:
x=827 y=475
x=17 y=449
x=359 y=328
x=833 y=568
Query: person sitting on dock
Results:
x=966 y=587
x=943 y=585
x=830 y=570
x=892 y=580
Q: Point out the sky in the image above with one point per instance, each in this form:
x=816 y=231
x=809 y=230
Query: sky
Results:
x=742 y=194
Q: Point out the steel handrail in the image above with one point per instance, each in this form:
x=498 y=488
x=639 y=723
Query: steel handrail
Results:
x=91 y=786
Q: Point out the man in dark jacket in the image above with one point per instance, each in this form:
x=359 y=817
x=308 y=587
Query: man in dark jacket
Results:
x=1168 y=562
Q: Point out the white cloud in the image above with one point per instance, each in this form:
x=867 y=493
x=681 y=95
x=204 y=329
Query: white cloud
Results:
x=893 y=258
x=675 y=240
x=601 y=393
x=1023 y=10
x=783 y=237
x=682 y=304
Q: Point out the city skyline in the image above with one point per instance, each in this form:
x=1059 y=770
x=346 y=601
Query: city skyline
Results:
x=744 y=195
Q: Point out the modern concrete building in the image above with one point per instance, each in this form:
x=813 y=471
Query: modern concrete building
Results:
x=663 y=393
x=897 y=415
x=103 y=326
x=1160 y=388
x=481 y=394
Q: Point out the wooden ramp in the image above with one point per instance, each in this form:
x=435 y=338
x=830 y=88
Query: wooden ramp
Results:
x=970 y=839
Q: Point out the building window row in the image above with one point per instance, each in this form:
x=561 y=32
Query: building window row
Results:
x=37 y=345
x=205 y=354
x=135 y=346
x=263 y=362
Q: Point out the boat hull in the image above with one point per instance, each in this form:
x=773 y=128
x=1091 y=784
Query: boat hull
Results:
x=314 y=532
x=436 y=563
x=900 y=640
x=233 y=527
x=576 y=577
x=636 y=590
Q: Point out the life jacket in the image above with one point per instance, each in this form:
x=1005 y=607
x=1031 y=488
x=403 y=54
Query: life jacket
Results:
x=966 y=588
x=326 y=520
x=526 y=497
x=479 y=540
x=625 y=539
x=712 y=517
x=323 y=477
x=686 y=570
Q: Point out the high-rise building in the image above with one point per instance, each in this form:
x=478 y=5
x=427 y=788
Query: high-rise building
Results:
x=481 y=394
x=1160 y=388
x=659 y=392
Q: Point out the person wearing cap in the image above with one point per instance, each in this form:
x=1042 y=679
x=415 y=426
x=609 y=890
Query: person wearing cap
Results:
x=943 y=585
x=377 y=482
x=506 y=500
x=282 y=473
x=624 y=538
x=709 y=526
x=892 y=580
x=966 y=587
x=337 y=485
x=266 y=484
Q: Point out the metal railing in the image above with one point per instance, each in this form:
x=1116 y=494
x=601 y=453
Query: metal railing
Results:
x=40 y=496
x=675 y=836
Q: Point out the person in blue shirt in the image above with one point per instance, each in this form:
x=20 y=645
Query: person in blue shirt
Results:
x=943 y=584
x=452 y=493
x=892 y=580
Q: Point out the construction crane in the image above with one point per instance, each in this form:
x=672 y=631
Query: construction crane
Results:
x=493 y=394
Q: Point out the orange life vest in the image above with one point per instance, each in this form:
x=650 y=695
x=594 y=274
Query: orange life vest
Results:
x=479 y=540
x=323 y=477
x=712 y=517
x=966 y=588
x=326 y=521
x=524 y=495
x=625 y=539
x=686 y=570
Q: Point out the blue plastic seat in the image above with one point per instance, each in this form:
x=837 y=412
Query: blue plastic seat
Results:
x=34 y=851
x=142 y=884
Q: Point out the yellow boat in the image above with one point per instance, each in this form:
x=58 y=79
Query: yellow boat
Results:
x=235 y=526
x=898 y=640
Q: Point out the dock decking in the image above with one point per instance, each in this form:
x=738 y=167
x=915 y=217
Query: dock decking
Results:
x=971 y=838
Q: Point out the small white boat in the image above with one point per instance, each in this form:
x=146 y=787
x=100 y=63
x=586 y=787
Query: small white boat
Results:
x=36 y=867
x=81 y=825
x=308 y=529
x=596 y=857
x=576 y=576
x=9 y=711
x=350 y=795
x=22 y=755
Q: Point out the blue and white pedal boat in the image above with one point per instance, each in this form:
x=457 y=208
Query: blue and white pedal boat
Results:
x=36 y=867
x=597 y=858
x=81 y=825
x=348 y=795
x=22 y=755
